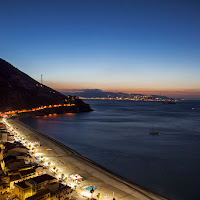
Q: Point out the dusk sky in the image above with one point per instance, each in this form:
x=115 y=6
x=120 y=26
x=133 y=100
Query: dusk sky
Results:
x=147 y=46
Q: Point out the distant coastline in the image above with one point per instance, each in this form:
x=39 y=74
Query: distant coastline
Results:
x=99 y=94
x=127 y=99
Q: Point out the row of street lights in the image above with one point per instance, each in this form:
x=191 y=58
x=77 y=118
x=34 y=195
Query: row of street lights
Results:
x=41 y=159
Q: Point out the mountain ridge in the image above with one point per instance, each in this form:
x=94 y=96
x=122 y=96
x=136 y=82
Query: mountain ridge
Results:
x=19 y=91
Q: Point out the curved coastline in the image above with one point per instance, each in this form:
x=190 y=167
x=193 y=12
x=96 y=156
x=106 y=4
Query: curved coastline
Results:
x=93 y=173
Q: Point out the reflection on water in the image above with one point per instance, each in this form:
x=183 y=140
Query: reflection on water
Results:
x=116 y=135
x=70 y=114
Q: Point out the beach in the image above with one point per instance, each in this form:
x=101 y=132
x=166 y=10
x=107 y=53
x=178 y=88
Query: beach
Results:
x=70 y=162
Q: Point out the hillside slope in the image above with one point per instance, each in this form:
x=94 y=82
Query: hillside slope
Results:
x=20 y=91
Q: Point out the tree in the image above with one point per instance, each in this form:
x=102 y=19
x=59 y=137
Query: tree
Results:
x=92 y=191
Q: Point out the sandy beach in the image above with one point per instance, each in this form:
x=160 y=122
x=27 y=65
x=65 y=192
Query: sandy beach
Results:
x=70 y=162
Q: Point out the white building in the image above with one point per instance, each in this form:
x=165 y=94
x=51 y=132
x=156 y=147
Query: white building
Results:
x=4 y=137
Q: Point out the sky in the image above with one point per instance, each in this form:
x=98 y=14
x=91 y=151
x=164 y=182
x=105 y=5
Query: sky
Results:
x=145 y=46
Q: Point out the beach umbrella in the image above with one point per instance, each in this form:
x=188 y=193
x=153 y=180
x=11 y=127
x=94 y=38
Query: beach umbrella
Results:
x=90 y=187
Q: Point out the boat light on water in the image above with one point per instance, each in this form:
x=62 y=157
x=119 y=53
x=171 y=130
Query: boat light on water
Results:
x=153 y=132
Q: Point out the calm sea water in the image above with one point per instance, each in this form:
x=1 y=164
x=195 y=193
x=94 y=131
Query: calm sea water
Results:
x=116 y=135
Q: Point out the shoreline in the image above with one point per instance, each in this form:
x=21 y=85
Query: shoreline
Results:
x=71 y=161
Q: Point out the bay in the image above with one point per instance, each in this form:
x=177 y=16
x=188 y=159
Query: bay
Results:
x=116 y=136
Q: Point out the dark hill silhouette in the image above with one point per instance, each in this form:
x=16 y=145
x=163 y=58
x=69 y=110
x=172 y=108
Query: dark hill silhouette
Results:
x=20 y=91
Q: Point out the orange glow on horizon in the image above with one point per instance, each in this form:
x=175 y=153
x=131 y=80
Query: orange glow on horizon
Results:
x=170 y=89
x=177 y=93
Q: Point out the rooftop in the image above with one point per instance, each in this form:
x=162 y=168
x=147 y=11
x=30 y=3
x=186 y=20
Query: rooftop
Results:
x=8 y=158
x=15 y=177
x=26 y=172
x=21 y=168
x=14 y=171
x=14 y=161
x=2 y=125
x=23 y=154
x=42 y=178
x=3 y=131
x=59 y=188
x=9 y=145
x=22 y=185
x=39 y=195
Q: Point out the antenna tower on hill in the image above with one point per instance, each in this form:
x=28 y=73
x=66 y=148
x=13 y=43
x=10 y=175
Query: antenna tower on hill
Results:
x=41 y=79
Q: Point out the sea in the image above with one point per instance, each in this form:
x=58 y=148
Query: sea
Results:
x=116 y=136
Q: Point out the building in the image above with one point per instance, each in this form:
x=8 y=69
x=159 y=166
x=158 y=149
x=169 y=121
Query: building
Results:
x=26 y=174
x=14 y=164
x=41 y=195
x=14 y=179
x=10 y=177
x=31 y=186
x=14 y=149
x=23 y=191
x=20 y=175
x=4 y=137
x=27 y=158
x=11 y=138
x=59 y=191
